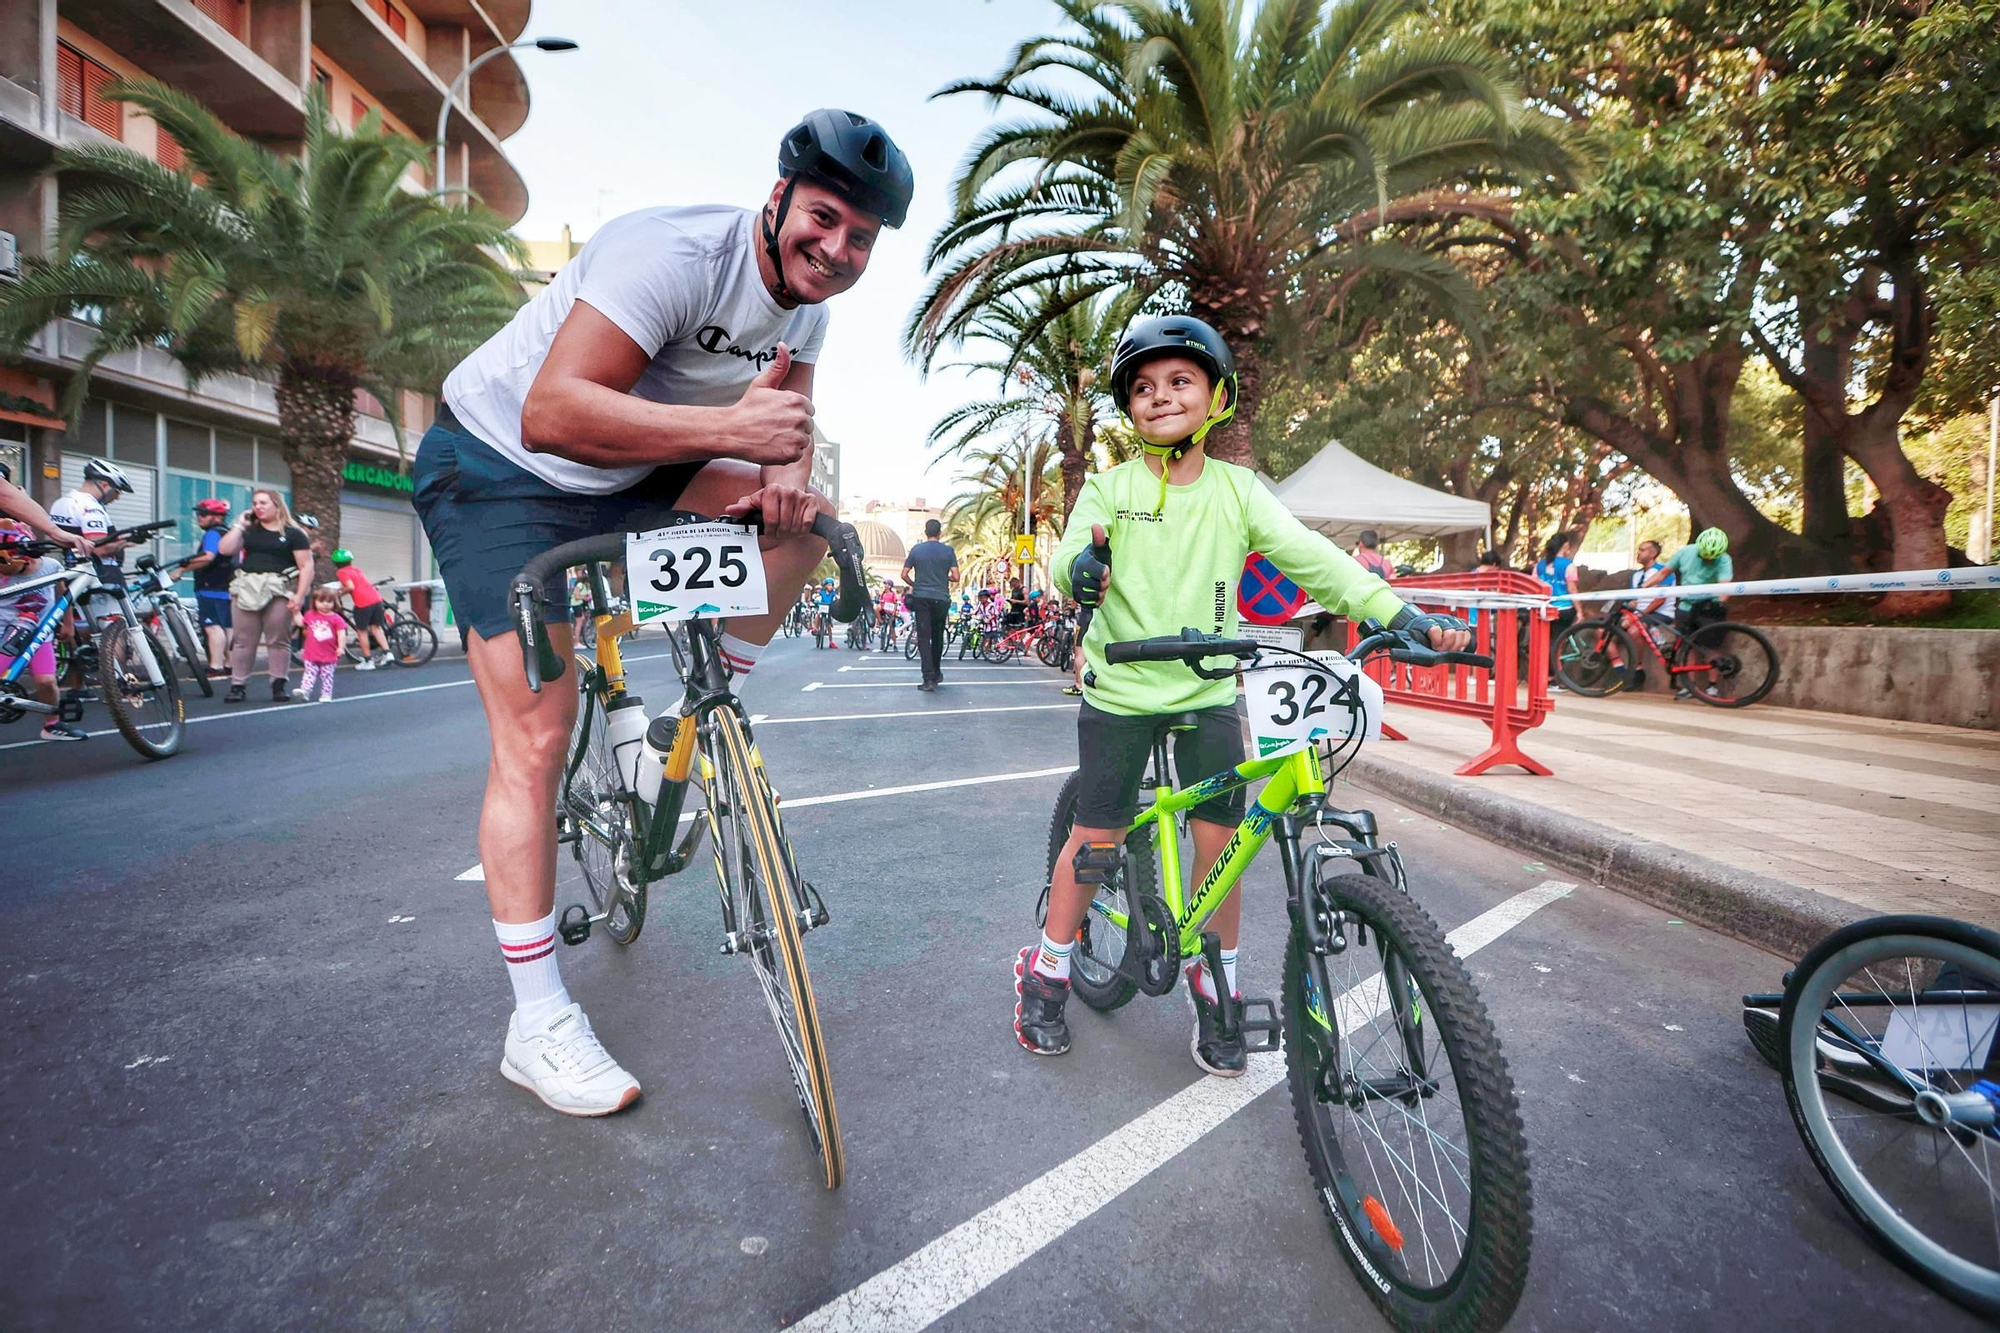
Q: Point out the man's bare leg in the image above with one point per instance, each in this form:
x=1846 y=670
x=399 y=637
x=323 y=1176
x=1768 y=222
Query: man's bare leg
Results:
x=528 y=734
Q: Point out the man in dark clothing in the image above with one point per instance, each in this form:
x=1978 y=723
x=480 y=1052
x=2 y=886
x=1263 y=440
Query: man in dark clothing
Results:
x=930 y=571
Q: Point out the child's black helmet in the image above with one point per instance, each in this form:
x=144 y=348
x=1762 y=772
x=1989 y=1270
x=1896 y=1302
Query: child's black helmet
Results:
x=1171 y=335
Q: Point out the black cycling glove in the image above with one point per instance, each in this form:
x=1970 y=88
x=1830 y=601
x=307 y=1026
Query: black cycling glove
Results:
x=1087 y=573
x=1415 y=626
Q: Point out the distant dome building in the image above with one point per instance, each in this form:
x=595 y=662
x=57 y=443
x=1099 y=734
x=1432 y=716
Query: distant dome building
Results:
x=881 y=549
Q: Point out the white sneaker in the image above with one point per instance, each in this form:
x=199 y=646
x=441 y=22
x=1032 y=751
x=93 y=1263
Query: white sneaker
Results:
x=365 y=664
x=566 y=1066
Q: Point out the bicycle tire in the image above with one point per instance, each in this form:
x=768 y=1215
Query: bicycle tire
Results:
x=412 y=643
x=910 y=647
x=1093 y=972
x=1594 y=658
x=1483 y=1287
x=1716 y=638
x=1810 y=1075
x=123 y=685
x=595 y=812
x=184 y=641
x=772 y=925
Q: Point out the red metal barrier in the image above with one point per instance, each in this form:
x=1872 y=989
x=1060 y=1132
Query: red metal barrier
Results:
x=1472 y=691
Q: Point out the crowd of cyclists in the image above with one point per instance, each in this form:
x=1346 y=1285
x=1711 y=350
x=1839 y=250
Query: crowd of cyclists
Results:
x=988 y=623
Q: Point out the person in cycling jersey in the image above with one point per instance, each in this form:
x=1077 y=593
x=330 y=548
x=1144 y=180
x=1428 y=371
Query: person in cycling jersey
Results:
x=212 y=572
x=824 y=598
x=1182 y=525
x=1703 y=560
x=82 y=512
x=20 y=613
x=668 y=366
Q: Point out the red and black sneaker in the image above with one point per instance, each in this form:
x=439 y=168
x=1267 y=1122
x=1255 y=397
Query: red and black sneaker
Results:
x=1038 y=1007
x=1225 y=1058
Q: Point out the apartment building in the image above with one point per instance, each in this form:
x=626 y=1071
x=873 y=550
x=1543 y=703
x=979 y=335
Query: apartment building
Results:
x=251 y=62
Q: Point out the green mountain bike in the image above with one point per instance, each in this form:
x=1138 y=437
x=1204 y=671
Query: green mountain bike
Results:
x=1411 y=1130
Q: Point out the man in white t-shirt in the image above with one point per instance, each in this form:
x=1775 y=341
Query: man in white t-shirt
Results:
x=669 y=365
x=82 y=512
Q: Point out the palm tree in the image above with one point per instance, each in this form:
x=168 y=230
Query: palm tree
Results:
x=1271 y=177
x=320 y=272
x=1049 y=351
x=986 y=511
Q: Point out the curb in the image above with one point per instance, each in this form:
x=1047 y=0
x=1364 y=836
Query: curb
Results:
x=1782 y=918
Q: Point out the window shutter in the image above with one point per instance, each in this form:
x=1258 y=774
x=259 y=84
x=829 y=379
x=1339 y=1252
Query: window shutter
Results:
x=397 y=23
x=69 y=79
x=99 y=111
x=357 y=111
x=167 y=149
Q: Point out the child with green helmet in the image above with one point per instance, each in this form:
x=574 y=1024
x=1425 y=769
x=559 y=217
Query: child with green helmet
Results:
x=1703 y=560
x=1183 y=524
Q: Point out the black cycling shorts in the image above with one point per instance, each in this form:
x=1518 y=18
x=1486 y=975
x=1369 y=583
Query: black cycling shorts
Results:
x=1114 y=751
x=370 y=617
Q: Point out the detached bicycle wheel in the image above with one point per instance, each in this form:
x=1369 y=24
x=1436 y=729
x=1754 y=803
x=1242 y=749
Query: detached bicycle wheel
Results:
x=755 y=874
x=1407 y=1113
x=1100 y=942
x=594 y=813
x=1594 y=658
x=150 y=717
x=1738 y=664
x=1887 y=1046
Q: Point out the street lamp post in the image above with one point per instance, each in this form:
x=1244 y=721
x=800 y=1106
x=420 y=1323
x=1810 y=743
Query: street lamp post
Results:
x=451 y=96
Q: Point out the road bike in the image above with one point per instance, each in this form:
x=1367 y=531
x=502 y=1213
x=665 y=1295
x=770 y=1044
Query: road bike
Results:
x=797 y=619
x=1884 y=1033
x=134 y=673
x=171 y=619
x=1722 y=663
x=619 y=810
x=1402 y=1099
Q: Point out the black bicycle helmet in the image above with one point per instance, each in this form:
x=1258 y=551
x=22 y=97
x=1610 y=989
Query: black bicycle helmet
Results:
x=852 y=156
x=1171 y=335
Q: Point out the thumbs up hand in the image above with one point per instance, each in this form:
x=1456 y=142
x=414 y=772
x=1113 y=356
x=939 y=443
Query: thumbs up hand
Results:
x=770 y=425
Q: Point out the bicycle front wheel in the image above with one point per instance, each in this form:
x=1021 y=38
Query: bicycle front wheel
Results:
x=150 y=717
x=594 y=814
x=186 y=636
x=1737 y=664
x=1594 y=658
x=1886 y=1042
x=413 y=642
x=764 y=899
x=1408 y=1117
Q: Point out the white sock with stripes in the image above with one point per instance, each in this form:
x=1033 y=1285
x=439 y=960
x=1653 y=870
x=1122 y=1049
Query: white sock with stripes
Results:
x=530 y=951
x=1052 y=959
x=1205 y=984
x=738 y=655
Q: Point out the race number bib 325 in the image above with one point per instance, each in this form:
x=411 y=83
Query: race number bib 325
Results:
x=1291 y=708
x=702 y=569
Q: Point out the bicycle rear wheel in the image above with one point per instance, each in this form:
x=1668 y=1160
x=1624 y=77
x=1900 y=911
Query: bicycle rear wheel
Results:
x=412 y=642
x=594 y=814
x=1887 y=1046
x=1100 y=947
x=764 y=896
x=150 y=717
x=1739 y=666
x=186 y=636
x=1594 y=658
x=1408 y=1117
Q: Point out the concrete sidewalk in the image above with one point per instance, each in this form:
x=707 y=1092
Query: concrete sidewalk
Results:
x=1773 y=824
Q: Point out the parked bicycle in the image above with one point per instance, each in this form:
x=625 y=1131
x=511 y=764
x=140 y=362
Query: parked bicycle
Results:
x=627 y=780
x=171 y=617
x=1884 y=1033
x=1721 y=663
x=1402 y=1099
x=133 y=672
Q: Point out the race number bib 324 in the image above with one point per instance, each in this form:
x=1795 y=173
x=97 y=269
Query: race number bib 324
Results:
x=1291 y=708
x=702 y=569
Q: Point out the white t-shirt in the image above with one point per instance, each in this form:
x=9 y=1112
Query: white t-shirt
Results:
x=680 y=282
x=79 y=511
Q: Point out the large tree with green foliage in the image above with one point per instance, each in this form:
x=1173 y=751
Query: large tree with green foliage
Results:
x=320 y=271
x=1259 y=170
x=1800 y=180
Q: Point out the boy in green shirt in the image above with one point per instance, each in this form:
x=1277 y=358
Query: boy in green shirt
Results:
x=1182 y=524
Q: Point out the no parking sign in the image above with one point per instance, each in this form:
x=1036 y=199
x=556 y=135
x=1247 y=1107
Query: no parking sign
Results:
x=1265 y=596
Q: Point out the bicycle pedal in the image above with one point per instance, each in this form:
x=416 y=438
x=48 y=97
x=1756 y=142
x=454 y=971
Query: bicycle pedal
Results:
x=70 y=708
x=1260 y=1032
x=1098 y=862
x=575 y=924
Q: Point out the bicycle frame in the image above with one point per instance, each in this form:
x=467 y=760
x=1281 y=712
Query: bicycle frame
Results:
x=1640 y=632
x=45 y=629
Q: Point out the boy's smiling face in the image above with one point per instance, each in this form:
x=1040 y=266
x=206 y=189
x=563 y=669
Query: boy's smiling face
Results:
x=1170 y=399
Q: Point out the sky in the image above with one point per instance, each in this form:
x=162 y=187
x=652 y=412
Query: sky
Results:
x=668 y=102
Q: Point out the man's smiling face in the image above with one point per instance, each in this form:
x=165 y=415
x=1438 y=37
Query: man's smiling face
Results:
x=826 y=241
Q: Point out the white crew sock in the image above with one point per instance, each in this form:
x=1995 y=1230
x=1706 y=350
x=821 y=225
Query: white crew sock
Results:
x=530 y=951
x=1203 y=984
x=738 y=655
x=1052 y=960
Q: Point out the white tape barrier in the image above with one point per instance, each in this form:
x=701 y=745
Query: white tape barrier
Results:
x=1973 y=578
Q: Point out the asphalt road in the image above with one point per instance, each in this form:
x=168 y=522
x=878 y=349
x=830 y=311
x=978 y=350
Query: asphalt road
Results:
x=253 y=1016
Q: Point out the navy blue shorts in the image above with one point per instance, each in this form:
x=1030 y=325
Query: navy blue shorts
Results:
x=214 y=610
x=487 y=517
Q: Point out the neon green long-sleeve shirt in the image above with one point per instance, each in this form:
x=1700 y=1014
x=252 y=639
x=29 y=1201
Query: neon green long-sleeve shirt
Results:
x=1181 y=566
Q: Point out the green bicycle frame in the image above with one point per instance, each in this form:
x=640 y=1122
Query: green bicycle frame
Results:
x=1291 y=775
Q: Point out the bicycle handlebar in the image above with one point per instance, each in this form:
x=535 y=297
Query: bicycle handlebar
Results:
x=538 y=656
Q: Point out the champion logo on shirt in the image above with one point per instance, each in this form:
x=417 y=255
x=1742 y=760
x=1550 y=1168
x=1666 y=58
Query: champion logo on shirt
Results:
x=713 y=337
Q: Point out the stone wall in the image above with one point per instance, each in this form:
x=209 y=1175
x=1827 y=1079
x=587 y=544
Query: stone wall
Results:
x=1946 y=676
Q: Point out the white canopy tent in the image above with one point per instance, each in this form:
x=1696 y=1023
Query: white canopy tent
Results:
x=1339 y=494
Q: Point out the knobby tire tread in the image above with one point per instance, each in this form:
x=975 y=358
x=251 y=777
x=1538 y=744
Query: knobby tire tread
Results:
x=1142 y=877
x=113 y=648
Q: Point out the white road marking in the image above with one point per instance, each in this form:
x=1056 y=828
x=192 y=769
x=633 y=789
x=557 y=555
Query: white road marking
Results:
x=958 y=1265
x=913 y=666
x=478 y=872
x=287 y=709
x=953 y=683
x=766 y=720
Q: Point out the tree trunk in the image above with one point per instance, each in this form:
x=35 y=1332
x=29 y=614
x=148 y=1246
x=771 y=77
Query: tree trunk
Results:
x=1822 y=463
x=1231 y=441
x=315 y=425
x=1914 y=506
x=1078 y=435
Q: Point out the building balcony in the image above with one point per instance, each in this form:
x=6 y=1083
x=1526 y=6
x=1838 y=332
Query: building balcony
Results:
x=23 y=146
x=178 y=44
